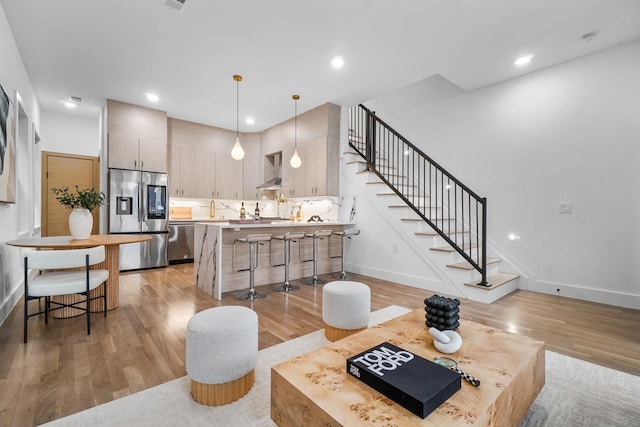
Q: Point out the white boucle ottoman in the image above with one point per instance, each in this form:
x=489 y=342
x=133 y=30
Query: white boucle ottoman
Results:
x=345 y=308
x=222 y=350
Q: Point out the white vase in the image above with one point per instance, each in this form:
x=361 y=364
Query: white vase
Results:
x=80 y=223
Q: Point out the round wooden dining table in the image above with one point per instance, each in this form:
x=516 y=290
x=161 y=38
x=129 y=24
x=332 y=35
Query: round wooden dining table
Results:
x=111 y=263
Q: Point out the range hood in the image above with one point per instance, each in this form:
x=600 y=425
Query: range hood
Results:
x=272 y=167
x=272 y=184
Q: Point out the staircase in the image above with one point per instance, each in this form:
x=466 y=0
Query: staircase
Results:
x=433 y=211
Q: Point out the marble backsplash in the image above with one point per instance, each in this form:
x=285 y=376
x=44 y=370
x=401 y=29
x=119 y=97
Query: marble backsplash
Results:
x=327 y=208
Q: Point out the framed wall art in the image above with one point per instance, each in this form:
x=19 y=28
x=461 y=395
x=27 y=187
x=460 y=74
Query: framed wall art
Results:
x=7 y=149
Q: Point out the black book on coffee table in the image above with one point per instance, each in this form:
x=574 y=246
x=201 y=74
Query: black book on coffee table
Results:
x=408 y=379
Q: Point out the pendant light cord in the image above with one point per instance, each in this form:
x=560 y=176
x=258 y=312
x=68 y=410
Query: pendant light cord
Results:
x=237 y=108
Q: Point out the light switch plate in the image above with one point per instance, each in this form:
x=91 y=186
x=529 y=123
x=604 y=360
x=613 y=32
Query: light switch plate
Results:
x=565 y=207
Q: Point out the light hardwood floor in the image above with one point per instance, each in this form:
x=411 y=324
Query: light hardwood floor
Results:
x=141 y=343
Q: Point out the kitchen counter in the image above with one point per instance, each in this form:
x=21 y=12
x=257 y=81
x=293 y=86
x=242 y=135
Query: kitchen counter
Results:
x=275 y=223
x=214 y=271
x=181 y=220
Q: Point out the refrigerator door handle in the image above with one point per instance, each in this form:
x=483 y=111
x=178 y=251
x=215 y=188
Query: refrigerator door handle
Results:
x=141 y=202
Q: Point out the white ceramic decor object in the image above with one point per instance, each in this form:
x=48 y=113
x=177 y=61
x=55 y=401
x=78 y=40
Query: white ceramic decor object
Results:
x=80 y=223
x=446 y=341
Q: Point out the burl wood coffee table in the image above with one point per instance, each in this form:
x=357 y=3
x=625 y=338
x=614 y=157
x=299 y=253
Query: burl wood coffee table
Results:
x=314 y=390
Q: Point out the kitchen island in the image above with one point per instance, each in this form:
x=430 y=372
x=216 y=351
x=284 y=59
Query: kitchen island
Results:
x=214 y=271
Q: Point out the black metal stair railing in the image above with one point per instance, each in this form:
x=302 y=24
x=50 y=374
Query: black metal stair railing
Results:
x=454 y=211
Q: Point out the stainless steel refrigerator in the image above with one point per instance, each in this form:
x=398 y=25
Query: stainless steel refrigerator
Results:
x=139 y=204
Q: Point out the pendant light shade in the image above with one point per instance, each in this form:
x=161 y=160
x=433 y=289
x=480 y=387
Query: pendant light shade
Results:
x=237 y=152
x=295 y=161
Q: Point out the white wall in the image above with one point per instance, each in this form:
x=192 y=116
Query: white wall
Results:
x=569 y=133
x=13 y=77
x=67 y=133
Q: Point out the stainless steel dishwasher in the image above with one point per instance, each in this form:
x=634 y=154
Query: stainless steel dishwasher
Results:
x=180 y=242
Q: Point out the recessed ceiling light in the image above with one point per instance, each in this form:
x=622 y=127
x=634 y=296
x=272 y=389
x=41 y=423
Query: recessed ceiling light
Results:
x=523 y=60
x=69 y=104
x=250 y=120
x=152 y=97
x=337 y=62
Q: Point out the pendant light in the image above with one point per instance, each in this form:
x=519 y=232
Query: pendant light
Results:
x=237 y=152
x=295 y=161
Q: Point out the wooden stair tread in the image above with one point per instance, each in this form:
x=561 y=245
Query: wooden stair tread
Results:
x=495 y=280
x=394 y=194
x=432 y=233
x=464 y=265
x=419 y=207
x=386 y=175
x=395 y=185
x=421 y=220
x=449 y=248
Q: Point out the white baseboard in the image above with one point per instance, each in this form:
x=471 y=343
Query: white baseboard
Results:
x=588 y=294
x=404 y=279
x=10 y=302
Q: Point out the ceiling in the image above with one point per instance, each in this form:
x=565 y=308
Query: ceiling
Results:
x=120 y=49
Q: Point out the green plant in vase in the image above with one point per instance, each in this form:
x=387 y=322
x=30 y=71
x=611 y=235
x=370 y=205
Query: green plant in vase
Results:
x=81 y=199
x=81 y=203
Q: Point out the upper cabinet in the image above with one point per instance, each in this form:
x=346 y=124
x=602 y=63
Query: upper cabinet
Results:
x=200 y=162
x=137 y=137
x=198 y=157
x=318 y=146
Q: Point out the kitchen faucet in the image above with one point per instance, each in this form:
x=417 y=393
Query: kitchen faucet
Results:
x=212 y=209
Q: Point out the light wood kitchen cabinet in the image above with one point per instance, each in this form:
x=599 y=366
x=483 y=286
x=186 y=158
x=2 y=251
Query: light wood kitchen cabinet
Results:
x=180 y=165
x=123 y=151
x=251 y=169
x=137 y=137
x=298 y=185
x=318 y=146
x=229 y=177
x=191 y=171
x=205 y=178
x=138 y=153
x=315 y=180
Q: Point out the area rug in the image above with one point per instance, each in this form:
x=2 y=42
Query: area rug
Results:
x=576 y=393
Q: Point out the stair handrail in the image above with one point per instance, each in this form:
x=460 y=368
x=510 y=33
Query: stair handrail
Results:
x=365 y=135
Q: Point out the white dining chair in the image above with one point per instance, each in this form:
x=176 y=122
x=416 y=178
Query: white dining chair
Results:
x=51 y=281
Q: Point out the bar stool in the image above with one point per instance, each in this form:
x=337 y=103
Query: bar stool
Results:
x=316 y=235
x=253 y=240
x=287 y=238
x=345 y=234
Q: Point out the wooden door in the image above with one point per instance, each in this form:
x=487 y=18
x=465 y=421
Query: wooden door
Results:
x=66 y=170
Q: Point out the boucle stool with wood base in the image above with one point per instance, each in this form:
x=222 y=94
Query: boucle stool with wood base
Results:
x=222 y=350
x=345 y=308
